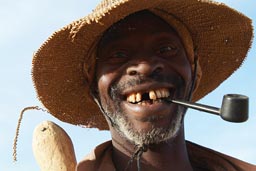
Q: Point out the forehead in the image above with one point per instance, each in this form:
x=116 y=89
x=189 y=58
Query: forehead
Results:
x=143 y=21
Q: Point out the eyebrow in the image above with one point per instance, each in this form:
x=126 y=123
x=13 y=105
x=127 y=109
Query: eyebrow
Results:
x=154 y=34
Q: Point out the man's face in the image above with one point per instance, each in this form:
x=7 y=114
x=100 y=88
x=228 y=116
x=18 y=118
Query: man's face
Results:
x=142 y=62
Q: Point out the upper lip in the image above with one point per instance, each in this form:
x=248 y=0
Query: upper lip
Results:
x=142 y=88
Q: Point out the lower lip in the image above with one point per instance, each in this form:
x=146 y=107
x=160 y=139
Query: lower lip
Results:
x=142 y=111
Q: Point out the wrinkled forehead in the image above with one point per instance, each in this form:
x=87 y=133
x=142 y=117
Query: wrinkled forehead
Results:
x=144 y=21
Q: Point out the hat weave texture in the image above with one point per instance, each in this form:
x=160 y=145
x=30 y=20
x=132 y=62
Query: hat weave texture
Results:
x=222 y=36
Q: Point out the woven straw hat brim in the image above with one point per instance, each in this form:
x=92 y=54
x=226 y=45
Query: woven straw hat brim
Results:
x=222 y=37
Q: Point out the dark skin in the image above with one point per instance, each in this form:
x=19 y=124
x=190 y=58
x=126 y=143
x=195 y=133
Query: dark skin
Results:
x=149 y=49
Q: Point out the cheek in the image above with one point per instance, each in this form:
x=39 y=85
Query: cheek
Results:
x=187 y=72
x=105 y=82
x=183 y=68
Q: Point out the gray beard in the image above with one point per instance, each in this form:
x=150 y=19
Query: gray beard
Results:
x=153 y=136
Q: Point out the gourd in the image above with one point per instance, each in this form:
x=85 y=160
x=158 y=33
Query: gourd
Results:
x=53 y=148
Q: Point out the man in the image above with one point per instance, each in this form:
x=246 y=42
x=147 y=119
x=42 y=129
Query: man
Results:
x=125 y=61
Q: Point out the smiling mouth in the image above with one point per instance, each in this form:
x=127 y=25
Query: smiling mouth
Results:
x=150 y=96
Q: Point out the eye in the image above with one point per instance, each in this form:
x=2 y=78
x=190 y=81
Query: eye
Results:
x=167 y=50
x=116 y=57
x=119 y=54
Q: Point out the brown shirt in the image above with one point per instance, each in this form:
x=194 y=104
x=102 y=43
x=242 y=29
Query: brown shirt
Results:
x=202 y=159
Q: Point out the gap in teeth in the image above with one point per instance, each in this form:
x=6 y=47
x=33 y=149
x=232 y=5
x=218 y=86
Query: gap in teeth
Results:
x=151 y=95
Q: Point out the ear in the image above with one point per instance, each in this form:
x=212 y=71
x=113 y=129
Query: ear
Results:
x=89 y=69
x=89 y=65
x=196 y=75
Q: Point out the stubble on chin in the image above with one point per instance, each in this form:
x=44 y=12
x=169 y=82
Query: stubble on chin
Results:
x=153 y=135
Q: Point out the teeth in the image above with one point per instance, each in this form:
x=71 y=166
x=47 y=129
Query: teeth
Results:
x=166 y=93
x=138 y=97
x=134 y=98
x=143 y=103
x=153 y=95
x=161 y=93
x=158 y=94
x=131 y=98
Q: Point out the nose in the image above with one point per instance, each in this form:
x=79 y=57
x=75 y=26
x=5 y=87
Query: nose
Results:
x=145 y=68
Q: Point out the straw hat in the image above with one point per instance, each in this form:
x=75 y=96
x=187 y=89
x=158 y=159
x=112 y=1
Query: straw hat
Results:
x=63 y=64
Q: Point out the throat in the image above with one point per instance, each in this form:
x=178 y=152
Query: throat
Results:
x=165 y=156
x=153 y=159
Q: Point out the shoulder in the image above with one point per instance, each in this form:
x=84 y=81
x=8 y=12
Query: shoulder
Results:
x=204 y=159
x=99 y=159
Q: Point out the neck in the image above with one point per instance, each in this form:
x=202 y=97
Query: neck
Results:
x=166 y=156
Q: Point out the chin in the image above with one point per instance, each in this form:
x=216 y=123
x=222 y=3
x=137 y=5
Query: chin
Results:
x=151 y=133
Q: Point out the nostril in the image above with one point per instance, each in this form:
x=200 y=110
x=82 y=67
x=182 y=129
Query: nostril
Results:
x=145 y=68
x=133 y=72
x=158 y=70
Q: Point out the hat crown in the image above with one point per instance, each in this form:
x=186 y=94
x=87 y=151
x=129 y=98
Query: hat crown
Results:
x=106 y=5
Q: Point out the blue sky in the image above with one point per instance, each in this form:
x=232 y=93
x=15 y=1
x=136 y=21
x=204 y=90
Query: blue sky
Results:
x=26 y=24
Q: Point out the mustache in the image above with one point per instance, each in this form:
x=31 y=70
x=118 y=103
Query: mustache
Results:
x=118 y=87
